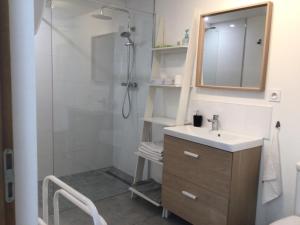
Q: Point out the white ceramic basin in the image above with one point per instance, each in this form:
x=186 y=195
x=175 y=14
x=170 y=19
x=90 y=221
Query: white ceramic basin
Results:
x=220 y=139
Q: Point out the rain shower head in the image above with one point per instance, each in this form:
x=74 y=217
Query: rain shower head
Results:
x=210 y=28
x=101 y=16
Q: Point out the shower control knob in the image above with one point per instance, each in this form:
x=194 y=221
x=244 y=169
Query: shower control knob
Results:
x=130 y=84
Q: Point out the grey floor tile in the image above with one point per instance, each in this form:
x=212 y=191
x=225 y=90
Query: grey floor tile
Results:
x=96 y=185
x=121 y=210
x=112 y=199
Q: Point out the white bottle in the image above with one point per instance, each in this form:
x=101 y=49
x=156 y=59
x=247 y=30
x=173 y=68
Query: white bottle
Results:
x=186 y=39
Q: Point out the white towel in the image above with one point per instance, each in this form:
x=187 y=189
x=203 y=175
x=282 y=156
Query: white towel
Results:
x=151 y=156
x=146 y=151
x=272 y=182
x=155 y=147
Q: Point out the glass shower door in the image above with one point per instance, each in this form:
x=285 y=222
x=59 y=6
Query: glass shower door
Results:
x=93 y=145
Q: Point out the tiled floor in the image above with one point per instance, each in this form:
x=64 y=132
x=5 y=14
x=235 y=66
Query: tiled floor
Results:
x=108 y=189
x=121 y=210
x=96 y=185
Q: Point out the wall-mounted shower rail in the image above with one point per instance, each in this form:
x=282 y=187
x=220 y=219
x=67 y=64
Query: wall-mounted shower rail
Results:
x=72 y=195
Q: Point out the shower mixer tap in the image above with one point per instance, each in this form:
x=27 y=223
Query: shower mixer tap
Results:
x=131 y=85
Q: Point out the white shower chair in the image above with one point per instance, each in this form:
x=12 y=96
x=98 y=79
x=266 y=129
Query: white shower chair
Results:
x=73 y=196
x=293 y=220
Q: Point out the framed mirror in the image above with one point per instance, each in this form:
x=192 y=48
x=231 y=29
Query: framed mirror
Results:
x=233 y=48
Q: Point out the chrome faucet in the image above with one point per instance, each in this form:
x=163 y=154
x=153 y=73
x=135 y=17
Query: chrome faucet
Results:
x=214 y=122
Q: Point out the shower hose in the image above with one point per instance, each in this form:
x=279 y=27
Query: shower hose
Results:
x=127 y=96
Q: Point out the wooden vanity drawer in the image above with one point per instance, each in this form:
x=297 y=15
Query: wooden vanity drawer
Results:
x=197 y=205
x=199 y=164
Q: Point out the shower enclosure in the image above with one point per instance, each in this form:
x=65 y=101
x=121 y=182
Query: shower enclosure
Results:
x=93 y=65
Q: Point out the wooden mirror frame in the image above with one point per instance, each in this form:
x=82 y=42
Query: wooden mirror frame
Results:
x=264 y=65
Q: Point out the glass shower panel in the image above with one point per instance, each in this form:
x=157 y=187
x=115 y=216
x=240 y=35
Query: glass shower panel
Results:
x=82 y=89
x=93 y=144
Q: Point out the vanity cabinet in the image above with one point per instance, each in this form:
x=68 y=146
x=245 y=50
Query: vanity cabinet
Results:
x=209 y=186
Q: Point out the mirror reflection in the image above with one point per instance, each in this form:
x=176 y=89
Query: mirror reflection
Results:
x=233 y=48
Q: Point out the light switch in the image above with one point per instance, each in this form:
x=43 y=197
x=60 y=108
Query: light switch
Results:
x=274 y=95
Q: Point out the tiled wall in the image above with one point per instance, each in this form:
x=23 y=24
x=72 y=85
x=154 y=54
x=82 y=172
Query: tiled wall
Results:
x=247 y=119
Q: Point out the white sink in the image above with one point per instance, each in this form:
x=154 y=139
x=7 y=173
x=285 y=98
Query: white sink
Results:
x=220 y=139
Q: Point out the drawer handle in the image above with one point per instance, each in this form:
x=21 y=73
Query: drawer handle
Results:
x=190 y=154
x=189 y=195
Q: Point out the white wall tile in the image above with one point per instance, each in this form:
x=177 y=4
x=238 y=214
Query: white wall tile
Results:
x=253 y=120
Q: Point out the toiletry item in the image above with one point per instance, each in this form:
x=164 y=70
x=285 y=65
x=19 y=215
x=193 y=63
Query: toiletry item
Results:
x=178 y=80
x=163 y=77
x=186 y=38
x=156 y=81
x=198 y=119
x=168 y=81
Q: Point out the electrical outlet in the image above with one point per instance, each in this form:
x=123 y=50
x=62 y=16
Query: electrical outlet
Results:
x=274 y=95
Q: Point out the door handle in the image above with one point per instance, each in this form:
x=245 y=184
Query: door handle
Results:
x=9 y=178
x=189 y=195
x=190 y=154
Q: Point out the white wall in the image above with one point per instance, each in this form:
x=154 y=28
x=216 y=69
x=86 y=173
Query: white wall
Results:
x=283 y=73
x=253 y=51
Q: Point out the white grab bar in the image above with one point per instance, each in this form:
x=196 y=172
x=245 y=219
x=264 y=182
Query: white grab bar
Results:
x=88 y=209
x=77 y=198
x=41 y=222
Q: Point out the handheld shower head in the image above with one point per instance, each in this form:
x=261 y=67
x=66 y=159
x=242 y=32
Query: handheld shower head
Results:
x=102 y=16
x=127 y=35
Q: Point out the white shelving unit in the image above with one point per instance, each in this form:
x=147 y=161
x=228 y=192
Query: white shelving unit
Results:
x=139 y=154
x=161 y=121
x=149 y=189
x=172 y=48
x=165 y=85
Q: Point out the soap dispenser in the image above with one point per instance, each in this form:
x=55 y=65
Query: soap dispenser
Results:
x=197 y=119
x=186 y=39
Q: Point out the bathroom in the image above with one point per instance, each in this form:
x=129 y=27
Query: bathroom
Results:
x=95 y=72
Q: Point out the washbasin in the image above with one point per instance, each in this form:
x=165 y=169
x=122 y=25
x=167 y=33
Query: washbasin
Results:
x=221 y=139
